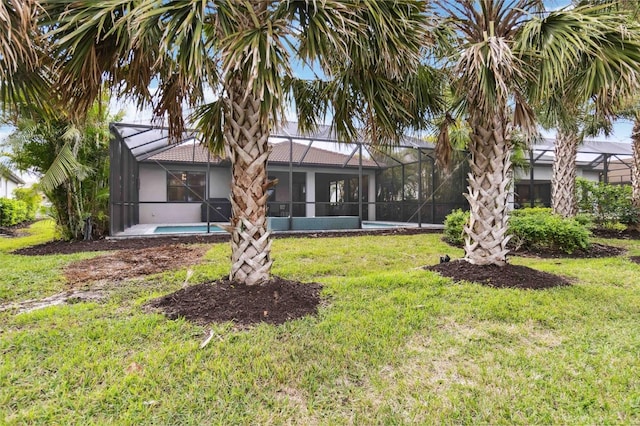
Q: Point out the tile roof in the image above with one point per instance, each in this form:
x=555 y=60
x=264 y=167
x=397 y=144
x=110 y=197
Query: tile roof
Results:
x=195 y=153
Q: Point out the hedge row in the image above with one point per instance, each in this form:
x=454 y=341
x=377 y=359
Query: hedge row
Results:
x=13 y=212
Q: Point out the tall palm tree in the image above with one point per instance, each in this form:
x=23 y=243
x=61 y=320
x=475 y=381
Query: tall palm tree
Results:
x=244 y=51
x=609 y=87
x=508 y=56
x=631 y=111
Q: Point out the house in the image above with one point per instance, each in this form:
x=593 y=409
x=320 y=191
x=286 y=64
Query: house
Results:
x=596 y=161
x=9 y=181
x=156 y=182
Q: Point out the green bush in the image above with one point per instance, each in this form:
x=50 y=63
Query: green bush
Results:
x=13 y=212
x=454 y=226
x=31 y=197
x=607 y=204
x=532 y=228
x=538 y=228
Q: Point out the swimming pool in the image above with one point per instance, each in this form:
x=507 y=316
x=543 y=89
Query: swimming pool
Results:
x=186 y=229
x=202 y=229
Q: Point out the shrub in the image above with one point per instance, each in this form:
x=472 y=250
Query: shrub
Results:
x=539 y=228
x=608 y=204
x=454 y=226
x=13 y=212
x=31 y=197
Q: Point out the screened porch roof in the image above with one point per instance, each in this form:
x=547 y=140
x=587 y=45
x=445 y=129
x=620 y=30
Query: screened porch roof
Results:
x=591 y=153
x=148 y=142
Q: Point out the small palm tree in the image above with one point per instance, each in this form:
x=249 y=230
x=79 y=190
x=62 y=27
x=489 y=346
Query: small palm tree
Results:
x=244 y=51
x=508 y=56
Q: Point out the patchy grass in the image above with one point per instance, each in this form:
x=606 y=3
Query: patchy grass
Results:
x=393 y=345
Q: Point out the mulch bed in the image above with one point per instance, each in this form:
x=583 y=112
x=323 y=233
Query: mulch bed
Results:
x=635 y=259
x=508 y=276
x=69 y=247
x=595 y=250
x=629 y=234
x=273 y=302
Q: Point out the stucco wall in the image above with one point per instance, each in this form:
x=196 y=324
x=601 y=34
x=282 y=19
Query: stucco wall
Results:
x=544 y=173
x=7 y=187
x=170 y=213
x=153 y=193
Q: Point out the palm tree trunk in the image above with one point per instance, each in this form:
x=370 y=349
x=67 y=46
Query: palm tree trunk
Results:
x=563 y=178
x=635 y=164
x=246 y=134
x=486 y=234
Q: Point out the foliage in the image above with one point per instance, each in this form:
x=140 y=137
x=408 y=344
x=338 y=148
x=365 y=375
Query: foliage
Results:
x=73 y=163
x=538 y=227
x=608 y=204
x=31 y=197
x=13 y=212
x=454 y=226
x=393 y=344
x=21 y=209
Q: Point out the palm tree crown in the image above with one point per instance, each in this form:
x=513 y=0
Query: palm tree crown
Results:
x=244 y=52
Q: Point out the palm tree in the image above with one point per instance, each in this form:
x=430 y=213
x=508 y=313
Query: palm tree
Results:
x=244 y=51
x=631 y=111
x=508 y=56
x=575 y=121
x=24 y=70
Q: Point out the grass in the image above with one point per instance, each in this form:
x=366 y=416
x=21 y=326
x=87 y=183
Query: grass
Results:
x=393 y=345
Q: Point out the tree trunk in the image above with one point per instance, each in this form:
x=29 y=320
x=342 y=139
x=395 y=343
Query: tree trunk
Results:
x=635 y=163
x=563 y=178
x=246 y=134
x=489 y=181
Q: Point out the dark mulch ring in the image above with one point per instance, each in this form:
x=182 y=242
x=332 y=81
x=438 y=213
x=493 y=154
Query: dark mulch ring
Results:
x=595 y=250
x=508 y=276
x=274 y=302
x=628 y=234
x=635 y=259
x=68 y=247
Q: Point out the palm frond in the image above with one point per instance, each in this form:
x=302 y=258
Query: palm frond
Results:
x=64 y=167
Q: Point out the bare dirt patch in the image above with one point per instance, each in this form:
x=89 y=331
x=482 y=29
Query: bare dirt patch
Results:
x=508 y=276
x=67 y=297
x=124 y=264
x=274 y=302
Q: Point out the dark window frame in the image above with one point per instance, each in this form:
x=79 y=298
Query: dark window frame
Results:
x=182 y=183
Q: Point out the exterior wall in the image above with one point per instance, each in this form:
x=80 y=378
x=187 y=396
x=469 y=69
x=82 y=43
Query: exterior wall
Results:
x=153 y=193
x=153 y=190
x=7 y=186
x=544 y=172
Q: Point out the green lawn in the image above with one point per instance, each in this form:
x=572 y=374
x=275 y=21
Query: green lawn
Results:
x=394 y=344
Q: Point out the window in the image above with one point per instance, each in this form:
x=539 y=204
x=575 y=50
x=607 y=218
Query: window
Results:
x=186 y=186
x=336 y=191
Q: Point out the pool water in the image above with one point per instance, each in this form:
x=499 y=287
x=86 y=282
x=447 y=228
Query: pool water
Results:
x=186 y=229
x=201 y=229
